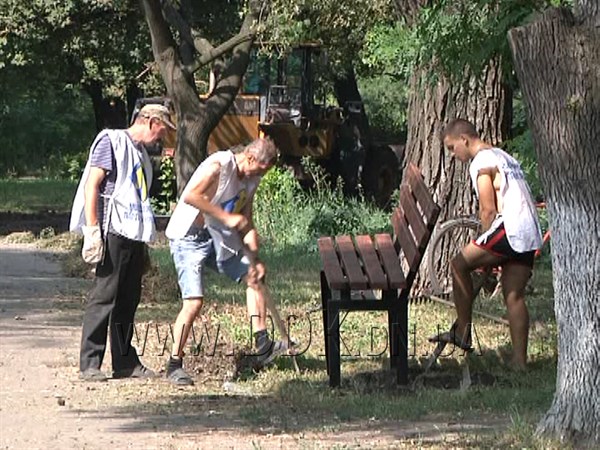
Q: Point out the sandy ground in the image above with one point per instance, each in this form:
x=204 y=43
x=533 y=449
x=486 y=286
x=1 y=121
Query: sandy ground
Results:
x=44 y=405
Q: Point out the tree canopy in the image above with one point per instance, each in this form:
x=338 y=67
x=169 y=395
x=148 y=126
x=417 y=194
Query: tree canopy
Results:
x=73 y=42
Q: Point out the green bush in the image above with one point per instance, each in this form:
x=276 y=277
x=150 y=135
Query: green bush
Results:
x=45 y=134
x=167 y=192
x=278 y=209
x=285 y=215
x=65 y=167
x=386 y=104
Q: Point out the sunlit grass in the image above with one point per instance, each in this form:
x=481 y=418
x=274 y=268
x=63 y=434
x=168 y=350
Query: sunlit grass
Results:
x=36 y=195
x=368 y=390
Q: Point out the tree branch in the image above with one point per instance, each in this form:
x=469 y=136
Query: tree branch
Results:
x=187 y=33
x=215 y=53
x=164 y=49
x=230 y=79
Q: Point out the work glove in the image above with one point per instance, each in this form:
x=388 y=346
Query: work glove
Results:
x=93 y=246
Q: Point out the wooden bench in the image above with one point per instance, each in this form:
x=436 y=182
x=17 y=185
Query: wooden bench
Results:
x=386 y=263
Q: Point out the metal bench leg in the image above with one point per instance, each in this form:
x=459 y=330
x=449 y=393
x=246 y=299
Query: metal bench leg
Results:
x=333 y=342
x=402 y=375
x=388 y=296
x=325 y=298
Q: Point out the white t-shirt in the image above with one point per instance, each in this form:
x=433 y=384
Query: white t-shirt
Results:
x=519 y=213
x=233 y=193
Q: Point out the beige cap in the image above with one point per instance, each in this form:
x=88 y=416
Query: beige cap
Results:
x=161 y=112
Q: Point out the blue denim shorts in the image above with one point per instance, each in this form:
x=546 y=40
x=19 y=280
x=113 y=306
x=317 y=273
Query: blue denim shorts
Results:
x=196 y=251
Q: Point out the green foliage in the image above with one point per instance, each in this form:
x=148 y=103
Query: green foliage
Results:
x=161 y=203
x=72 y=42
x=390 y=49
x=521 y=146
x=449 y=36
x=65 y=167
x=50 y=53
x=276 y=208
x=49 y=134
x=386 y=103
x=286 y=215
x=291 y=22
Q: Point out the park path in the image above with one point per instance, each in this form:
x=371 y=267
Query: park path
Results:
x=43 y=405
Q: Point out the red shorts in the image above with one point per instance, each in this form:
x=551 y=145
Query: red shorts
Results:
x=495 y=241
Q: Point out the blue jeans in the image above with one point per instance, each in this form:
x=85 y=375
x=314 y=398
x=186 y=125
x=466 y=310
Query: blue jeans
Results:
x=196 y=251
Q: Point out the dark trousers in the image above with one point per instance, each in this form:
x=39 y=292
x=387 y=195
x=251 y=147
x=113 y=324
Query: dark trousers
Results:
x=112 y=303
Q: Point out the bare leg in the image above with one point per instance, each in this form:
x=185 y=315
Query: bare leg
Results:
x=257 y=309
x=255 y=300
x=181 y=330
x=514 y=281
x=470 y=258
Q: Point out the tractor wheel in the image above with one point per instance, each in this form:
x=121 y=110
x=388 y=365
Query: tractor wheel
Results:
x=381 y=175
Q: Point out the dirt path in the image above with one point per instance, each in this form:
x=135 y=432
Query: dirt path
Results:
x=44 y=405
x=40 y=398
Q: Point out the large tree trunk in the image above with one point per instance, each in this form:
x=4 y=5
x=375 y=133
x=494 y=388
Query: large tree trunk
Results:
x=108 y=112
x=196 y=120
x=485 y=101
x=557 y=60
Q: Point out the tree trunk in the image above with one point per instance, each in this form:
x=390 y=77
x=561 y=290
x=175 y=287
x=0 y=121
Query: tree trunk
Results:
x=132 y=93
x=558 y=65
x=196 y=120
x=485 y=101
x=346 y=90
x=108 y=112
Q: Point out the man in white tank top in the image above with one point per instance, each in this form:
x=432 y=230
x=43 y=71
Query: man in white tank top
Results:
x=212 y=226
x=511 y=234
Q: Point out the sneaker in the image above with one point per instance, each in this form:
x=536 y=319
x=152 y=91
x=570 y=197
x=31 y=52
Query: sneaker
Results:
x=140 y=371
x=92 y=374
x=179 y=377
x=271 y=350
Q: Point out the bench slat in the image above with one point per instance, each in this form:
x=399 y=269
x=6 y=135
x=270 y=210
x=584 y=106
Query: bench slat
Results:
x=412 y=214
x=405 y=239
x=389 y=260
x=371 y=262
x=356 y=277
x=331 y=264
x=421 y=192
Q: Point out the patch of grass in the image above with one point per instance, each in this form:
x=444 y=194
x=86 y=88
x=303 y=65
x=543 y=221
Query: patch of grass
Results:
x=36 y=195
x=368 y=389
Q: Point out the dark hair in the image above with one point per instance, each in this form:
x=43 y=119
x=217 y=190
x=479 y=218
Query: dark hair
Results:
x=456 y=127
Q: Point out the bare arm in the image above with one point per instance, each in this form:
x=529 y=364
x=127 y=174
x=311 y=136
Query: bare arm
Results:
x=251 y=238
x=91 y=193
x=487 y=197
x=252 y=242
x=200 y=196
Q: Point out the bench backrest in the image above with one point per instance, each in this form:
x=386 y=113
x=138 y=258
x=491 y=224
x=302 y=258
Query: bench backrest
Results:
x=385 y=262
x=413 y=221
